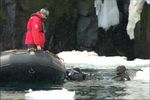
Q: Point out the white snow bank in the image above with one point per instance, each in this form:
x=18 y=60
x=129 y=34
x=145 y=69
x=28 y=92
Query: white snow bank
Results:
x=50 y=95
x=107 y=13
x=135 y=9
x=91 y=58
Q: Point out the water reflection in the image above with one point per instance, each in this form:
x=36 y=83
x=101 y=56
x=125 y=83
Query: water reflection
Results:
x=96 y=89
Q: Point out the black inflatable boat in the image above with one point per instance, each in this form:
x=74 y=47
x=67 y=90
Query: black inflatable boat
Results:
x=21 y=66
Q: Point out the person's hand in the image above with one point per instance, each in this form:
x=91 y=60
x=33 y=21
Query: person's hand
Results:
x=39 y=47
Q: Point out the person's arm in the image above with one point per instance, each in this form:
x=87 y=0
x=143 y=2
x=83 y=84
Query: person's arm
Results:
x=36 y=25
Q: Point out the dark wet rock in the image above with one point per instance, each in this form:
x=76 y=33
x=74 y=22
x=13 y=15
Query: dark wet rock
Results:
x=82 y=6
x=142 y=34
x=86 y=33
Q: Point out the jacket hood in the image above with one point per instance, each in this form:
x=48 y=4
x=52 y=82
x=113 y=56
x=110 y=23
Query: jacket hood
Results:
x=38 y=13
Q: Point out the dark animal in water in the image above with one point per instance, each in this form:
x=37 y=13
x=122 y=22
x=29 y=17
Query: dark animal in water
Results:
x=75 y=74
x=121 y=74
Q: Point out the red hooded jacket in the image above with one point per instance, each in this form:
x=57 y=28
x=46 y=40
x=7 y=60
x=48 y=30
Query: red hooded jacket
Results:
x=35 y=31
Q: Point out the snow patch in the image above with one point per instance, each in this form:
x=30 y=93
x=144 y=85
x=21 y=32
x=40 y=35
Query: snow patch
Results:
x=135 y=9
x=107 y=13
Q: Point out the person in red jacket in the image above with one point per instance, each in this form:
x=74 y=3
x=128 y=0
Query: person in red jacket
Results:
x=35 y=35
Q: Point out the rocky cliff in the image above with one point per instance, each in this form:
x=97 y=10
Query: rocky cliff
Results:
x=142 y=34
x=73 y=25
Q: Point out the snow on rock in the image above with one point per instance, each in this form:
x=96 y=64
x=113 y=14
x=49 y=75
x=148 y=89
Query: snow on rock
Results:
x=107 y=13
x=135 y=9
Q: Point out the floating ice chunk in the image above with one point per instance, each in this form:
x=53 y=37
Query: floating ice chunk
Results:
x=50 y=95
x=143 y=75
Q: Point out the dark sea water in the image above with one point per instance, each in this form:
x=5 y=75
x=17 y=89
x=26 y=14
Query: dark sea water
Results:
x=98 y=86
